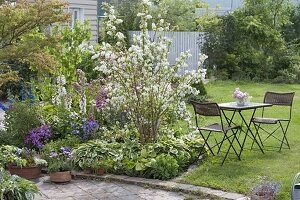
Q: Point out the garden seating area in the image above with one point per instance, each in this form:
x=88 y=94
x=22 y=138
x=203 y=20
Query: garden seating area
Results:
x=122 y=119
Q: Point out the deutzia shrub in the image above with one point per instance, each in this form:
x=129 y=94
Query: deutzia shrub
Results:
x=140 y=80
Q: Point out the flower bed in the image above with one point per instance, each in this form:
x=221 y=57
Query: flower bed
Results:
x=164 y=159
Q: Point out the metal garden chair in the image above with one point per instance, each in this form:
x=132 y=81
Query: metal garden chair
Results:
x=213 y=110
x=280 y=123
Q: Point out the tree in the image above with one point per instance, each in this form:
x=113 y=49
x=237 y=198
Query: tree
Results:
x=128 y=10
x=140 y=80
x=22 y=35
x=180 y=14
x=248 y=44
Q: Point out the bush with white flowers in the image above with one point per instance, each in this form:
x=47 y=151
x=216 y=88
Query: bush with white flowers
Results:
x=140 y=80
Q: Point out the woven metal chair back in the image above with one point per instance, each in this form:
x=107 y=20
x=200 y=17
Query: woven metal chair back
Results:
x=280 y=99
x=206 y=109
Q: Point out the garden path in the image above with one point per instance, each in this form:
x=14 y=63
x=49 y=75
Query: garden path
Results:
x=93 y=189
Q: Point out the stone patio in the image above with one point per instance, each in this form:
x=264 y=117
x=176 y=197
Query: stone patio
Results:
x=95 y=189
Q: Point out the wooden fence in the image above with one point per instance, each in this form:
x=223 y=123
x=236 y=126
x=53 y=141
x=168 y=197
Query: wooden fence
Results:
x=181 y=41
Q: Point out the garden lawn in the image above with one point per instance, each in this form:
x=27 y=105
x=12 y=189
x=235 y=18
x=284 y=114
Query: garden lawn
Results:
x=240 y=176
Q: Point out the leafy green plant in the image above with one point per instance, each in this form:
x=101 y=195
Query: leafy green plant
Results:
x=60 y=161
x=90 y=153
x=19 y=120
x=202 y=96
x=70 y=141
x=165 y=167
x=9 y=155
x=61 y=120
x=14 y=187
x=247 y=44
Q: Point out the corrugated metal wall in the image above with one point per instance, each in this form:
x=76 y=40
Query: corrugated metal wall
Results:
x=182 y=41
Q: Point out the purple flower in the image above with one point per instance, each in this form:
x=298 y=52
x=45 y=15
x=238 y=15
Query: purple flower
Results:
x=101 y=98
x=38 y=137
x=19 y=151
x=237 y=94
x=53 y=155
x=267 y=188
x=89 y=127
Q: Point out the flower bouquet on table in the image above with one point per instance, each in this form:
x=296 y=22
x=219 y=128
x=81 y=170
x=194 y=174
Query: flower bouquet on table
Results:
x=59 y=165
x=21 y=162
x=241 y=97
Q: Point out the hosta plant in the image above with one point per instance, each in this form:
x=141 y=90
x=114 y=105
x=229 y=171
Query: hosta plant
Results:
x=14 y=187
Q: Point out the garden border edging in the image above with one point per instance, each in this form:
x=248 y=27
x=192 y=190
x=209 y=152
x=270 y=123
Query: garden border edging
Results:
x=164 y=185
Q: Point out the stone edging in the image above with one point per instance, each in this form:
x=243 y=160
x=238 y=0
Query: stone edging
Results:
x=165 y=185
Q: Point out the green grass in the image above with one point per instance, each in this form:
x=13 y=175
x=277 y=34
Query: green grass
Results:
x=240 y=176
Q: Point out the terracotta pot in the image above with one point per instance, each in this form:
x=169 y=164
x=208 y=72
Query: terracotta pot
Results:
x=100 y=171
x=256 y=197
x=60 y=177
x=25 y=172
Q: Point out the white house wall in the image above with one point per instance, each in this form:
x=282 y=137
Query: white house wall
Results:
x=90 y=13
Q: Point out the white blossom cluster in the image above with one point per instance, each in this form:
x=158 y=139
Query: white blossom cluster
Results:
x=141 y=80
x=62 y=97
x=80 y=88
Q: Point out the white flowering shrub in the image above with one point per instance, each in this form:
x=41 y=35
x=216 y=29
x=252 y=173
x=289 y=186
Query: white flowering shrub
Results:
x=140 y=80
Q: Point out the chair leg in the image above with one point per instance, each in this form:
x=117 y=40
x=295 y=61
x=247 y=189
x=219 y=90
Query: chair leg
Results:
x=205 y=143
x=230 y=146
x=284 y=135
x=257 y=127
x=221 y=144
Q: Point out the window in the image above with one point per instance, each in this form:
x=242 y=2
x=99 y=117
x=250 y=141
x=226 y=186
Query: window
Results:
x=76 y=14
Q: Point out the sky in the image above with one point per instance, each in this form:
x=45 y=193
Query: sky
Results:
x=233 y=3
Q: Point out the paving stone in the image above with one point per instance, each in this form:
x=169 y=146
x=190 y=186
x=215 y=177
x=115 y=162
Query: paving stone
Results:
x=61 y=198
x=232 y=196
x=135 y=189
x=40 y=197
x=95 y=189
x=167 y=184
x=84 y=197
x=184 y=186
x=135 y=180
x=152 y=181
x=119 y=177
x=131 y=197
x=212 y=191
x=118 y=191
x=102 y=195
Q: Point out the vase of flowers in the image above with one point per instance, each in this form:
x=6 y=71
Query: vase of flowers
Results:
x=266 y=190
x=60 y=166
x=30 y=169
x=240 y=97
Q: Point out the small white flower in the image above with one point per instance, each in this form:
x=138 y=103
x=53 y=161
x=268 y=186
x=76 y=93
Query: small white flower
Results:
x=153 y=26
x=148 y=17
x=120 y=35
x=147 y=2
x=95 y=56
x=111 y=17
x=140 y=14
x=61 y=80
x=119 y=21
